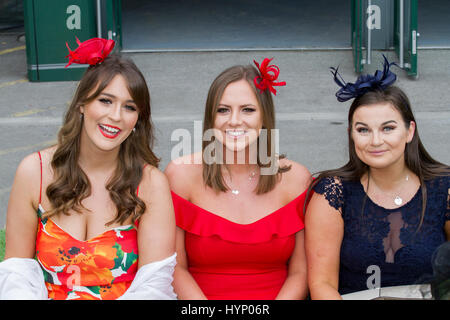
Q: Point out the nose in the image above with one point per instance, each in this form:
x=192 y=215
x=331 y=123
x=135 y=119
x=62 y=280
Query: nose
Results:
x=235 y=118
x=376 y=138
x=114 y=112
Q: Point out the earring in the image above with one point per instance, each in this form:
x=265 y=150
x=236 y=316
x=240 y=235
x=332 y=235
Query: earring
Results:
x=134 y=129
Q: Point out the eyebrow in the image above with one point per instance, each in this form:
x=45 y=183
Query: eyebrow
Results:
x=244 y=105
x=113 y=96
x=384 y=123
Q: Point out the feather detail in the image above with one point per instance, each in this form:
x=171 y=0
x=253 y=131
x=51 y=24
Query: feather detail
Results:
x=268 y=75
x=92 y=51
x=364 y=83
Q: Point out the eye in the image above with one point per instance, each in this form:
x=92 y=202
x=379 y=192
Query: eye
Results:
x=222 y=110
x=388 y=128
x=105 y=100
x=130 y=107
x=249 y=109
x=362 y=130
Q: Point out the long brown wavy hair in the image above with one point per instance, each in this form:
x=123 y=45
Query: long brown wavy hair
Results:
x=212 y=173
x=71 y=185
x=417 y=159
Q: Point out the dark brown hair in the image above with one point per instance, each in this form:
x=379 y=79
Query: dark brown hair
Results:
x=417 y=159
x=71 y=185
x=212 y=173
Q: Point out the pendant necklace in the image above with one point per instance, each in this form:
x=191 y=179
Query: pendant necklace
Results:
x=236 y=191
x=397 y=199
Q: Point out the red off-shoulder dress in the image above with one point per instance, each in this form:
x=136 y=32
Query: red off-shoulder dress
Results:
x=232 y=261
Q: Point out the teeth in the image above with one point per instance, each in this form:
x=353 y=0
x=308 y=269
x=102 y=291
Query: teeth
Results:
x=109 y=129
x=235 y=133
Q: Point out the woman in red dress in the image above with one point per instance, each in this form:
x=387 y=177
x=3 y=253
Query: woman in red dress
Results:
x=238 y=204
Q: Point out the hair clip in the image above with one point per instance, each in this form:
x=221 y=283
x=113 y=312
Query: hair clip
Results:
x=268 y=75
x=379 y=81
x=92 y=51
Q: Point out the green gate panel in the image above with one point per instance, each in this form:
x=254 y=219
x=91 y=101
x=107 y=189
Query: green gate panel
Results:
x=395 y=29
x=49 y=25
x=357 y=17
x=409 y=47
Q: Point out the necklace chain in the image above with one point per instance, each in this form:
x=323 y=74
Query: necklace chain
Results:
x=236 y=191
x=398 y=200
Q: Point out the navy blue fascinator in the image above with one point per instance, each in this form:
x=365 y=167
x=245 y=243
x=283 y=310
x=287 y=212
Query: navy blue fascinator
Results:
x=379 y=81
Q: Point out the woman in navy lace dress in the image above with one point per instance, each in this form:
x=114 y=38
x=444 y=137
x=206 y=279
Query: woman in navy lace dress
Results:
x=376 y=221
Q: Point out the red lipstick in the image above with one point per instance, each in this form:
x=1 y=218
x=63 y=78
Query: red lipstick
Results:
x=109 y=131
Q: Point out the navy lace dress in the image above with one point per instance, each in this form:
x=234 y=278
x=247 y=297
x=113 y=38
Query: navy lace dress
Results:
x=388 y=239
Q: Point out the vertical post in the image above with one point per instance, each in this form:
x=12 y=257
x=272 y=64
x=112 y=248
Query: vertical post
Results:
x=402 y=33
x=369 y=39
x=99 y=18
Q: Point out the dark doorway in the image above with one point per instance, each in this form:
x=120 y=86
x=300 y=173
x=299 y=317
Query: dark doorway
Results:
x=235 y=24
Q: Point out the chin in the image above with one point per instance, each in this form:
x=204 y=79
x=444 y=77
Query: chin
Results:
x=238 y=146
x=382 y=164
x=235 y=148
x=107 y=146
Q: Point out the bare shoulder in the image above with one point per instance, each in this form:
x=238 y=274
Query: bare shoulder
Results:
x=154 y=187
x=183 y=173
x=298 y=178
x=27 y=179
x=154 y=179
x=47 y=154
x=30 y=166
x=297 y=172
x=179 y=165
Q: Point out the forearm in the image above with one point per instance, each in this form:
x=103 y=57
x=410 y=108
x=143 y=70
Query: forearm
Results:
x=185 y=285
x=323 y=291
x=294 y=288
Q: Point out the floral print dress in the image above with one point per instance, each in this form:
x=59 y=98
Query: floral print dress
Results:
x=102 y=267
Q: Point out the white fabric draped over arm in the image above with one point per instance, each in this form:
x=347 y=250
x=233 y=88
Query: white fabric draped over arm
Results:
x=22 y=279
x=153 y=281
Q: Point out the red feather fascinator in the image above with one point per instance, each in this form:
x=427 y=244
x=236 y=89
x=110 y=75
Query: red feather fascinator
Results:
x=90 y=52
x=269 y=73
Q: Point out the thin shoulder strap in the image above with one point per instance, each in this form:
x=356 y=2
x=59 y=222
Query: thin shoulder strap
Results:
x=137 y=189
x=40 y=186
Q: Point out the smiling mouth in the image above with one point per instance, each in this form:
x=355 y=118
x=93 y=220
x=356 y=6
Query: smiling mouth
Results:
x=235 y=134
x=109 y=132
x=377 y=153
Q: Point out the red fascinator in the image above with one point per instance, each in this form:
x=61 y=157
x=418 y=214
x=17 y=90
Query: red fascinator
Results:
x=269 y=73
x=90 y=52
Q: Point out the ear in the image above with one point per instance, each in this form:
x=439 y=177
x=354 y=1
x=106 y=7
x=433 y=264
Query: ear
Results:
x=81 y=109
x=411 y=130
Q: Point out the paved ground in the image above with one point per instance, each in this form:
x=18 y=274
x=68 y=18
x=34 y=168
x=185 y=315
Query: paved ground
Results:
x=311 y=121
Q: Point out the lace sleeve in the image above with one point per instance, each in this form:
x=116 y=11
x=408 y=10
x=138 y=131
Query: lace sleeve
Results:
x=332 y=190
